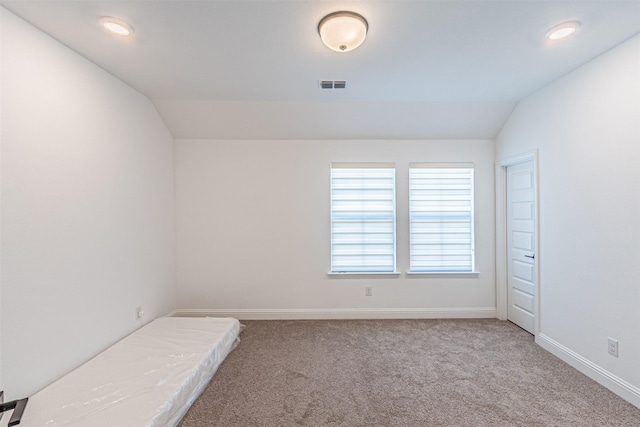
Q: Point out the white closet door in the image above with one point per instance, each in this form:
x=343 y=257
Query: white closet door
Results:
x=521 y=245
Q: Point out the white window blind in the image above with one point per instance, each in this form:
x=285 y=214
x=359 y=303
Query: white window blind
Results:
x=363 y=217
x=441 y=217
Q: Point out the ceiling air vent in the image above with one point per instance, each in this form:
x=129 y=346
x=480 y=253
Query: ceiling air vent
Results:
x=333 y=84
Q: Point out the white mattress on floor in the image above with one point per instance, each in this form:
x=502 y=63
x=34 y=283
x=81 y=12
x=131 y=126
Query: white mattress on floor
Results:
x=150 y=378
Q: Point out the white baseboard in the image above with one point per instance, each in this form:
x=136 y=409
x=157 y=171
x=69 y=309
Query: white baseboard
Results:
x=627 y=391
x=342 y=313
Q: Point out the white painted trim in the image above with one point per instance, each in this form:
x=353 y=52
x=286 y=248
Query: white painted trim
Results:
x=501 y=243
x=343 y=313
x=363 y=275
x=520 y=158
x=452 y=274
x=627 y=391
x=173 y=313
x=501 y=234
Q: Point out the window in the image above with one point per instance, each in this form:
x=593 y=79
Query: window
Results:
x=363 y=218
x=441 y=217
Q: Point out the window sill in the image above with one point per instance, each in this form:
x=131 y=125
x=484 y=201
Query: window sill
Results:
x=418 y=274
x=397 y=274
x=363 y=275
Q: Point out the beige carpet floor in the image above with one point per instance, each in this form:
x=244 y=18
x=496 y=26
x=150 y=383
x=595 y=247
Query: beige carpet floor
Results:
x=400 y=373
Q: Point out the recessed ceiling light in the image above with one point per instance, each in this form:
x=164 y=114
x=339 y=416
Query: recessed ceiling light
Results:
x=563 y=30
x=116 y=26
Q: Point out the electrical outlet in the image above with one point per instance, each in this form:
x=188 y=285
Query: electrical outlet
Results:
x=612 y=347
x=368 y=291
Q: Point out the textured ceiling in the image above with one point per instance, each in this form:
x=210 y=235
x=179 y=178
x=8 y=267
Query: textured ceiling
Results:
x=250 y=69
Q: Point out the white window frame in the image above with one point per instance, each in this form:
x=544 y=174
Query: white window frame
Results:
x=338 y=269
x=414 y=214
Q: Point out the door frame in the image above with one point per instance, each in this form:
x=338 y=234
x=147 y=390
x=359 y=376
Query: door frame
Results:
x=501 y=234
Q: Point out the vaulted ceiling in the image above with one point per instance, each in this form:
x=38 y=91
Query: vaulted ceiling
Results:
x=235 y=69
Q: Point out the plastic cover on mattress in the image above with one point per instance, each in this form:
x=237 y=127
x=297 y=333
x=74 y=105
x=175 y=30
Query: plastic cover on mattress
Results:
x=150 y=378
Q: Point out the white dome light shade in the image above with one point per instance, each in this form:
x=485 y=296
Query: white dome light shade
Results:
x=116 y=26
x=343 y=31
x=563 y=31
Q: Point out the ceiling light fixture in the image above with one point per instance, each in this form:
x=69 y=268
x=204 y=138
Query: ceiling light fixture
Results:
x=343 y=31
x=563 y=30
x=116 y=26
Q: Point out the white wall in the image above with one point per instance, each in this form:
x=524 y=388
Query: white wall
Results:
x=87 y=209
x=1 y=98
x=586 y=126
x=253 y=232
